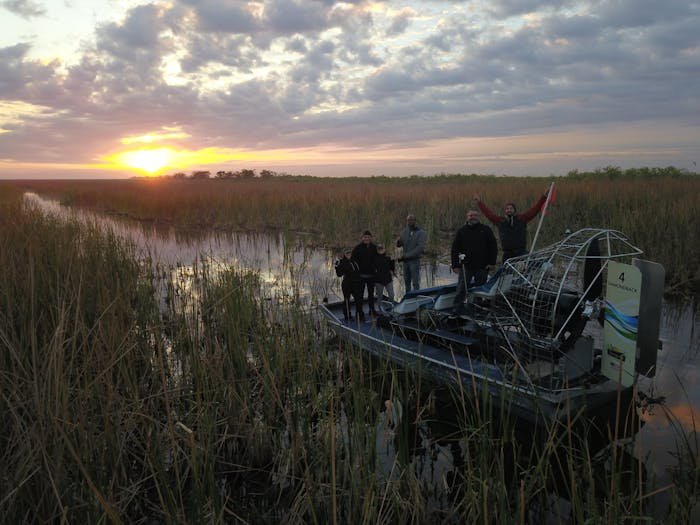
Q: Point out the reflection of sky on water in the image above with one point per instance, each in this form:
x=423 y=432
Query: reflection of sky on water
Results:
x=290 y=271
x=287 y=270
x=677 y=380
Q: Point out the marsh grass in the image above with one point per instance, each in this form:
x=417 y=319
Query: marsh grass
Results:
x=212 y=405
x=656 y=209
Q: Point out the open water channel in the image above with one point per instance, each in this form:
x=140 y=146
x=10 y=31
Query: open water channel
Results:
x=291 y=271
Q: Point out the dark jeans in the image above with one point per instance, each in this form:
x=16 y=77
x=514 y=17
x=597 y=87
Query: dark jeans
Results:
x=479 y=277
x=352 y=289
x=411 y=274
x=368 y=283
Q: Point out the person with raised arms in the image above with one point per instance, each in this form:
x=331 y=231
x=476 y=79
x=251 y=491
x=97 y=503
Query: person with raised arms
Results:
x=512 y=226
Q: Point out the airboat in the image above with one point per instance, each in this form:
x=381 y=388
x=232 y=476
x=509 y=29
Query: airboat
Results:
x=568 y=329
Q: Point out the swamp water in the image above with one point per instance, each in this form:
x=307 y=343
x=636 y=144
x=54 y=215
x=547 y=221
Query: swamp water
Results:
x=291 y=272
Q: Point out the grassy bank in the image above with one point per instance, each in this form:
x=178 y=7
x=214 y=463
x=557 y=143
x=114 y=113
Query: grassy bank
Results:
x=212 y=407
x=656 y=212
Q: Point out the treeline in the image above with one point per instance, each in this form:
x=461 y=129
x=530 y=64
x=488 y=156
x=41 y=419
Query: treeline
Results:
x=244 y=174
x=615 y=172
x=607 y=172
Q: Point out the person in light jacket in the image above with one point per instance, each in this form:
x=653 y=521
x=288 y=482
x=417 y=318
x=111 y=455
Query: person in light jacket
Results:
x=412 y=239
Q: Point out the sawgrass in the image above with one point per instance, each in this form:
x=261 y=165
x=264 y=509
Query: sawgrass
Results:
x=657 y=210
x=209 y=405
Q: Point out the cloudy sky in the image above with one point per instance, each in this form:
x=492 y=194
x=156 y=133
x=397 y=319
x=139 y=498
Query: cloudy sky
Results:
x=100 y=88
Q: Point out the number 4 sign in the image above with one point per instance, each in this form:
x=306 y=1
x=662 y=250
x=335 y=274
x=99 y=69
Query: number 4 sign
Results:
x=623 y=294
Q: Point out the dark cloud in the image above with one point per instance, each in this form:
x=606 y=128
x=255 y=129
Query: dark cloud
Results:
x=639 y=13
x=234 y=52
x=295 y=16
x=24 y=8
x=140 y=30
x=388 y=82
x=508 y=8
x=217 y=16
x=400 y=23
x=24 y=79
x=296 y=45
x=130 y=54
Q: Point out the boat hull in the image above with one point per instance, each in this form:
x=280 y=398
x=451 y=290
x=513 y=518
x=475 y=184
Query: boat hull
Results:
x=457 y=366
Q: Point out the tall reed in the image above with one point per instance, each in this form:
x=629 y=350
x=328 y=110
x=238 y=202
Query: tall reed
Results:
x=214 y=405
x=76 y=376
x=655 y=211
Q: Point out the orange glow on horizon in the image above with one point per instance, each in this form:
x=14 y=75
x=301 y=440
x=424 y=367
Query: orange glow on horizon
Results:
x=155 y=160
x=158 y=159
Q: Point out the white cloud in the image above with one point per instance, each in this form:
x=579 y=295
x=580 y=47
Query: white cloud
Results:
x=361 y=74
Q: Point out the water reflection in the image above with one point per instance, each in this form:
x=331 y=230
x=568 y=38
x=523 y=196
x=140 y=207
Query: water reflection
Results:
x=290 y=270
x=670 y=432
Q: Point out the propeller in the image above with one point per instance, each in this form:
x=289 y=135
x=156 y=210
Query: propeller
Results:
x=591 y=272
x=592 y=278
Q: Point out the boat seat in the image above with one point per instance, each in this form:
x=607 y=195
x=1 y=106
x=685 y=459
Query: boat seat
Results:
x=445 y=301
x=500 y=282
x=412 y=304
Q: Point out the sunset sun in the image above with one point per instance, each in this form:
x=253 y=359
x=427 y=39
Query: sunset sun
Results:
x=148 y=160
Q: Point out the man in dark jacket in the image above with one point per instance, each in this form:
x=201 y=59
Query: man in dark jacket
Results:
x=512 y=226
x=474 y=252
x=365 y=254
